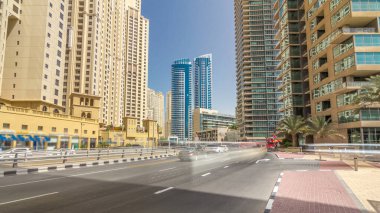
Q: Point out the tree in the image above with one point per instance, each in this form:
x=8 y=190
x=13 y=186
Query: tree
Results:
x=292 y=125
x=321 y=128
x=370 y=94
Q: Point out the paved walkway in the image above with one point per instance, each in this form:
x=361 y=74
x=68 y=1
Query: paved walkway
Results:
x=312 y=192
x=334 y=165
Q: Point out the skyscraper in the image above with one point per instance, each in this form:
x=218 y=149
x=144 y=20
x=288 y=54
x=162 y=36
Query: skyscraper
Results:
x=294 y=76
x=107 y=54
x=257 y=109
x=155 y=104
x=343 y=39
x=33 y=37
x=203 y=82
x=137 y=52
x=182 y=99
x=168 y=114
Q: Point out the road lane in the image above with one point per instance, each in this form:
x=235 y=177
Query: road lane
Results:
x=238 y=182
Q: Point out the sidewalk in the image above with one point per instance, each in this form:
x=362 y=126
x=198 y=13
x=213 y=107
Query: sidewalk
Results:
x=312 y=191
x=336 y=187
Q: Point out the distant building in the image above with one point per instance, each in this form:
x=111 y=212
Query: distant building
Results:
x=168 y=114
x=132 y=133
x=155 y=107
x=206 y=119
x=182 y=99
x=203 y=81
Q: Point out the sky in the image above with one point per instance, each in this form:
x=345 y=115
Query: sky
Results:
x=187 y=29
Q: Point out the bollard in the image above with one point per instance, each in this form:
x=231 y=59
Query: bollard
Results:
x=26 y=157
x=98 y=158
x=166 y=151
x=356 y=163
x=65 y=158
x=122 y=155
x=87 y=153
x=141 y=153
x=320 y=157
x=15 y=161
x=151 y=153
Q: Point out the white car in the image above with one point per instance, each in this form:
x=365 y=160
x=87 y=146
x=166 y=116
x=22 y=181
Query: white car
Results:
x=62 y=151
x=213 y=148
x=20 y=151
x=224 y=148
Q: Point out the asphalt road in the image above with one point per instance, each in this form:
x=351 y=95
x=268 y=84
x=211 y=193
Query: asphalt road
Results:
x=230 y=182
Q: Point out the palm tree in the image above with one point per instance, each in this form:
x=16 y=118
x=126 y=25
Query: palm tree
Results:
x=370 y=94
x=292 y=125
x=321 y=128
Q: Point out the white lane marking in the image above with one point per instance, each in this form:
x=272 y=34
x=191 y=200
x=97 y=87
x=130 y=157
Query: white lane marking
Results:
x=204 y=175
x=269 y=204
x=301 y=170
x=164 y=190
x=163 y=170
x=28 y=198
x=262 y=160
x=281 y=173
x=226 y=167
x=279 y=180
x=275 y=189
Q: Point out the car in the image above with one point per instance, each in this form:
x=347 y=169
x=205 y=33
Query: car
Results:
x=191 y=154
x=213 y=148
x=62 y=151
x=224 y=148
x=21 y=152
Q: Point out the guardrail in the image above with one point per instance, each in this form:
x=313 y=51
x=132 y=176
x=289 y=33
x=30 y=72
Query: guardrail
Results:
x=353 y=151
x=63 y=157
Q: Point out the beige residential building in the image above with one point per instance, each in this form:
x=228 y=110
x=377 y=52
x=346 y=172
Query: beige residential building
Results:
x=136 y=72
x=168 y=114
x=107 y=56
x=33 y=48
x=9 y=15
x=343 y=39
x=155 y=105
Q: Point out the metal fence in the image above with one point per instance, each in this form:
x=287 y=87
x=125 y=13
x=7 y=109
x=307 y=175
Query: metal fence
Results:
x=57 y=157
x=355 y=152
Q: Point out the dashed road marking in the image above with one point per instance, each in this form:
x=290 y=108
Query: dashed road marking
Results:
x=28 y=198
x=163 y=170
x=164 y=190
x=204 y=175
x=226 y=167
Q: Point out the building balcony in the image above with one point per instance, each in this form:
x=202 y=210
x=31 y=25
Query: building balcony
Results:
x=346 y=32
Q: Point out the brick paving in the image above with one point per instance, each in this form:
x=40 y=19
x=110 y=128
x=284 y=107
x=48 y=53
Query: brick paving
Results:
x=288 y=155
x=334 y=165
x=312 y=192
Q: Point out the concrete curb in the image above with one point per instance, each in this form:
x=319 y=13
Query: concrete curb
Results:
x=269 y=205
x=25 y=171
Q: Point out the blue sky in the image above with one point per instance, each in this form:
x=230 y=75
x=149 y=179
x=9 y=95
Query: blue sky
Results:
x=187 y=29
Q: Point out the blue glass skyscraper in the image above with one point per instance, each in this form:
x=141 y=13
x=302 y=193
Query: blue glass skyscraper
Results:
x=182 y=99
x=203 y=81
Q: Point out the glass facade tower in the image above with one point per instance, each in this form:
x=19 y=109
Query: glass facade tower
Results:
x=203 y=82
x=258 y=107
x=182 y=99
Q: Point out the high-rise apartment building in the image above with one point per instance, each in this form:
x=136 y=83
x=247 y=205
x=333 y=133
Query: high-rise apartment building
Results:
x=155 y=104
x=343 y=39
x=182 y=99
x=203 y=82
x=137 y=35
x=107 y=56
x=294 y=76
x=33 y=37
x=258 y=107
x=168 y=114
